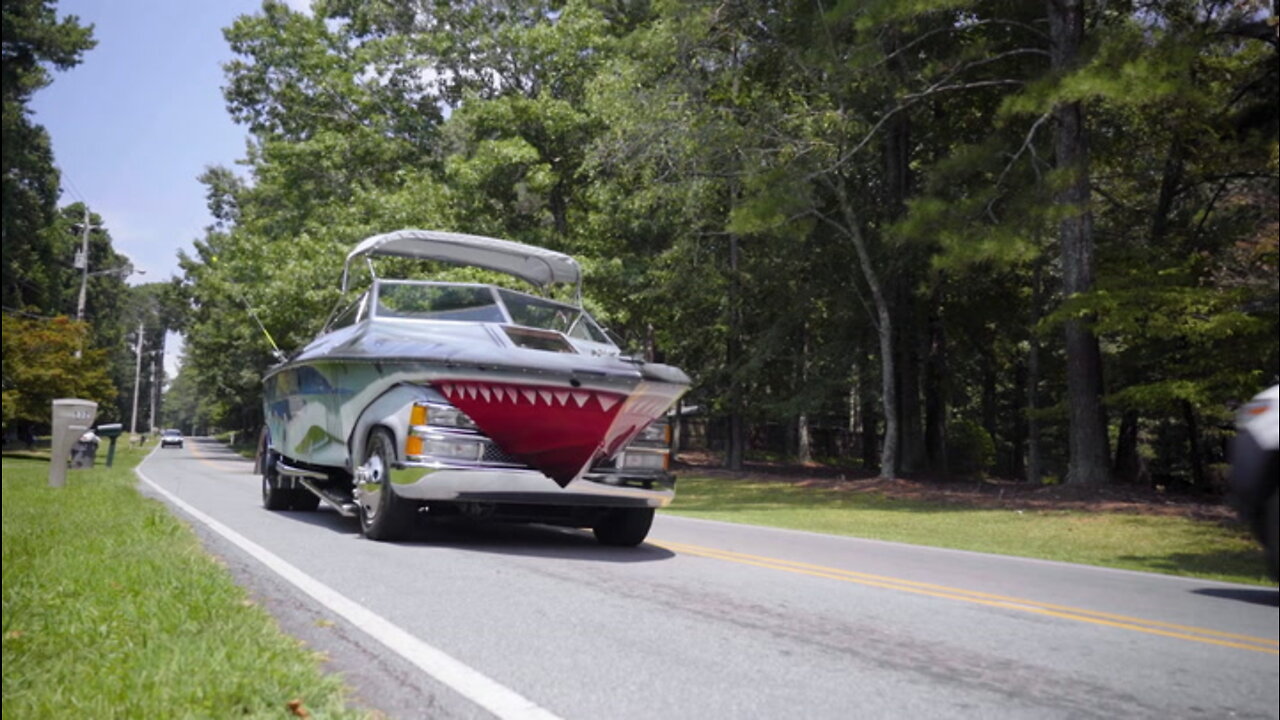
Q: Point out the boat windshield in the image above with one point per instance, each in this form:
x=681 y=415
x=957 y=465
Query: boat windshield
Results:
x=467 y=303
x=480 y=303
x=537 y=312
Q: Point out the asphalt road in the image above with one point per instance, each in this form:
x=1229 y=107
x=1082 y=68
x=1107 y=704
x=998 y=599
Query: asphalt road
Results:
x=714 y=620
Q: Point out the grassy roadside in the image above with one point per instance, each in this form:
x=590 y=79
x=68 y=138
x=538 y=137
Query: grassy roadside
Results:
x=244 y=444
x=1163 y=544
x=112 y=609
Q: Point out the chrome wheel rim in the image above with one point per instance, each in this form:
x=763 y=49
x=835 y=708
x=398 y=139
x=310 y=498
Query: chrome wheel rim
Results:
x=371 y=486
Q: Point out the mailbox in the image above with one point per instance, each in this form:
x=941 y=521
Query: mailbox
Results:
x=71 y=418
x=110 y=431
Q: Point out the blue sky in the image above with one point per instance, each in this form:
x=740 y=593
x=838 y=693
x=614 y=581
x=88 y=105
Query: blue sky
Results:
x=143 y=115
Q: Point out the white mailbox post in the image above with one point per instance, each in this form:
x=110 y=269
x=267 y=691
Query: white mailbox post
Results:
x=71 y=418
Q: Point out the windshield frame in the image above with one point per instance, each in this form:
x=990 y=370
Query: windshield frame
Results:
x=581 y=327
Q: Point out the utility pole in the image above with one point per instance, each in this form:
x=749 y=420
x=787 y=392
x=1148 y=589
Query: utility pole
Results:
x=154 y=393
x=137 y=377
x=83 y=261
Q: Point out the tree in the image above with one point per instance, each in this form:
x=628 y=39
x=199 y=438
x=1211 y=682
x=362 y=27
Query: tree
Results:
x=34 y=39
x=1089 y=455
x=44 y=359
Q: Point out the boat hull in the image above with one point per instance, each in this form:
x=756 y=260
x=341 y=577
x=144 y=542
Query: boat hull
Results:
x=319 y=411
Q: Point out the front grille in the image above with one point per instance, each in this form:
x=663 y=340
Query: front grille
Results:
x=498 y=456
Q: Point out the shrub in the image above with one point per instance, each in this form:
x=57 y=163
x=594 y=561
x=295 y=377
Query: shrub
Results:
x=970 y=449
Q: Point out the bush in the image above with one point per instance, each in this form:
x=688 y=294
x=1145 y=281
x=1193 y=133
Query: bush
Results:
x=970 y=449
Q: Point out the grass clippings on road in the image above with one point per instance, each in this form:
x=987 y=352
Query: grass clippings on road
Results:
x=113 y=610
x=1195 y=540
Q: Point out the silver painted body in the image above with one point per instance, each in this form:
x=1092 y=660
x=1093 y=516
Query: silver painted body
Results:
x=370 y=367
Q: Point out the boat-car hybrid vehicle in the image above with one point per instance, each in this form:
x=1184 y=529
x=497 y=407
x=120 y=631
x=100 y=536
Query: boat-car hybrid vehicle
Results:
x=472 y=399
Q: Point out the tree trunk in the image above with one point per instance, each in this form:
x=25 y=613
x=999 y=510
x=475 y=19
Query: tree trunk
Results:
x=1018 y=457
x=1128 y=465
x=910 y=419
x=935 y=385
x=990 y=411
x=1088 y=455
x=897 y=173
x=804 y=442
x=734 y=450
x=852 y=228
x=1035 y=465
x=734 y=445
x=870 y=435
x=1198 y=477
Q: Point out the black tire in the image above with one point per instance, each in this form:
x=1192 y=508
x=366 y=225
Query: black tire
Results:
x=625 y=527
x=274 y=497
x=384 y=515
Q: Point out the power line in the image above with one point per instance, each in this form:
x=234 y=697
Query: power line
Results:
x=70 y=185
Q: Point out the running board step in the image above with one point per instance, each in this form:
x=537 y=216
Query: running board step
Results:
x=306 y=478
x=345 y=507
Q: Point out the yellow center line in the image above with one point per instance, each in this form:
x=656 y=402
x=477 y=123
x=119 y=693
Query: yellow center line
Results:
x=215 y=463
x=1153 y=627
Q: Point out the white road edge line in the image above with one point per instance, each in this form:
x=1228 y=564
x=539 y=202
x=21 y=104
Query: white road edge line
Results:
x=489 y=694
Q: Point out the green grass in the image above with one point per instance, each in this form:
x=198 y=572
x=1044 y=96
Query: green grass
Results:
x=243 y=443
x=113 y=610
x=1174 y=545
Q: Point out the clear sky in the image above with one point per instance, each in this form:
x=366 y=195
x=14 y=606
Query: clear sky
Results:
x=143 y=115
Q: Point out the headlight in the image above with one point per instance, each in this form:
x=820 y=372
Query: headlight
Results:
x=444 y=447
x=643 y=461
x=440 y=416
x=657 y=433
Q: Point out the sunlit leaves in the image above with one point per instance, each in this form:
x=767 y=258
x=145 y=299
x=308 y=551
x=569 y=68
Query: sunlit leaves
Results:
x=45 y=359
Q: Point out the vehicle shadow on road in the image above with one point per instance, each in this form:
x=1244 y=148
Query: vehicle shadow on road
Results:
x=1260 y=596
x=525 y=540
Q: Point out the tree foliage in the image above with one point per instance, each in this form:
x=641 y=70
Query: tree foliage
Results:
x=845 y=219
x=46 y=359
x=35 y=40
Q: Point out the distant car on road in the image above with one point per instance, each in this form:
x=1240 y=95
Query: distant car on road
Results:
x=1255 y=470
x=171 y=438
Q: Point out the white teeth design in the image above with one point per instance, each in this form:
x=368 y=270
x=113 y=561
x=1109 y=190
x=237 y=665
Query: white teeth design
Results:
x=447 y=390
x=607 y=401
x=484 y=392
x=546 y=396
x=581 y=398
x=471 y=391
x=499 y=393
x=531 y=396
x=562 y=397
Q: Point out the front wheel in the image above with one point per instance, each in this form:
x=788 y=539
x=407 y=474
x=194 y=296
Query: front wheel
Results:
x=274 y=497
x=383 y=514
x=624 y=527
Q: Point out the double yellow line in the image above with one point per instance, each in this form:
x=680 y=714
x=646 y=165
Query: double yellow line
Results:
x=1124 y=622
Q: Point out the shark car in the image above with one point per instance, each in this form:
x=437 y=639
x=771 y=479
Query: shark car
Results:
x=469 y=399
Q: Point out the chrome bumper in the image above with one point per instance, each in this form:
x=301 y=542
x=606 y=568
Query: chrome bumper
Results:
x=515 y=485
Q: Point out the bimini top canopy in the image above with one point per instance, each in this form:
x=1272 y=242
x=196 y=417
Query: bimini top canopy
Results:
x=536 y=265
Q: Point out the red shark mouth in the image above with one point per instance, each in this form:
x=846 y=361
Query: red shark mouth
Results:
x=560 y=431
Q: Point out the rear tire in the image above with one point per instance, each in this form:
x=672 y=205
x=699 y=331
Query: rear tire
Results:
x=624 y=527
x=383 y=514
x=274 y=497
